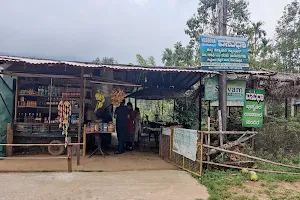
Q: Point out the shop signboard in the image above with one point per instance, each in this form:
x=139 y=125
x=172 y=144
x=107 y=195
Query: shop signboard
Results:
x=185 y=142
x=224 y=53
x=254 y=106
x=235 y=89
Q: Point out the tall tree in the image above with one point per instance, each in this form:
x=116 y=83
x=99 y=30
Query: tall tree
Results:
x=288 y=37
x=105 y=60
x=179 y=56
x=145 y=62
x=205 y=21
x=257 y=33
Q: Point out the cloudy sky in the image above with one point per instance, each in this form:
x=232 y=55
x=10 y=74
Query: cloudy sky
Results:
x=85 y=29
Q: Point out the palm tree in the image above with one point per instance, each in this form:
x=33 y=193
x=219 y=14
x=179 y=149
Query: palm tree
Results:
x=258 y=33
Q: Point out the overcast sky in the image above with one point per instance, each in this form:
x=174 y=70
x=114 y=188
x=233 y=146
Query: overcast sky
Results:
x=85 y=29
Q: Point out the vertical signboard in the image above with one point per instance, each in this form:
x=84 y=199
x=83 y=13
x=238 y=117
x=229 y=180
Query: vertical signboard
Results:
x=254 y=107
x=223 y=53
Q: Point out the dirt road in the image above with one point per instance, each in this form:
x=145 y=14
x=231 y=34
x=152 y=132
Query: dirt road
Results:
x=138 y=185
x=130 y=161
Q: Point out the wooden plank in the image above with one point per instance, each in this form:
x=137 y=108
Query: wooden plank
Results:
x=69 y=150
x=9 y=140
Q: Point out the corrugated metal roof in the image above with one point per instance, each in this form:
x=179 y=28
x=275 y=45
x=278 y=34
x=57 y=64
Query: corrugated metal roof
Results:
x=36 y=61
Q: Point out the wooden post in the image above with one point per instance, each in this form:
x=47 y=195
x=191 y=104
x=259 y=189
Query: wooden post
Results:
x=220 y=128
x=201 y=154
x=171 y=142
x=9 y=140
x=208 y=136
x=292 y=107
x=84 y=95
x=84 y=141
x=16 y=99
x=69 y=149
x=80 y=114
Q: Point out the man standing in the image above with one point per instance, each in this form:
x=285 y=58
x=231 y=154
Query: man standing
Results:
x=121 y=115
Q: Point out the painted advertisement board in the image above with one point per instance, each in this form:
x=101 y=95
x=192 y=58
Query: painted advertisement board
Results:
x=254 y=107
x=224 y=53
x=235 y=89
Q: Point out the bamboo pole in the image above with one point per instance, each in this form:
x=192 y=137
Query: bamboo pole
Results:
x=230 y=132
x=256 y=170
x=69 y=160
x=31 y=158
x=252 y=157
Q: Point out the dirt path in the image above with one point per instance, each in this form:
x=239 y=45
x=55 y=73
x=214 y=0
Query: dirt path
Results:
x=129 y=161
x=139 y=185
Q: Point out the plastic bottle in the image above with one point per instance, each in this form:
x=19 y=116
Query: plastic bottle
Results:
x=25 y=118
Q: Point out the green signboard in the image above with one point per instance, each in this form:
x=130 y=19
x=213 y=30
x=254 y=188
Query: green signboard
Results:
x=254 y=107
x=235 y=89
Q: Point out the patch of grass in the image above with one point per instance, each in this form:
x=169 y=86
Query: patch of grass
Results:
x=218 y=182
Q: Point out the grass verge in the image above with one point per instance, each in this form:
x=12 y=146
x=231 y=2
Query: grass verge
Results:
x=233 y=185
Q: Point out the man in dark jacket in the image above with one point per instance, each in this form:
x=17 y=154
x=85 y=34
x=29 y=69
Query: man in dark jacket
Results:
x=121 y=115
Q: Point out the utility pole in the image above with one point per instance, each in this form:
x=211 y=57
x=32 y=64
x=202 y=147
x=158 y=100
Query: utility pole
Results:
x=223 y=74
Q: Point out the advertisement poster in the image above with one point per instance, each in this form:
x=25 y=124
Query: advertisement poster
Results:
x=223 y=53
x=254 y=107
x=235 y=89
x=185 y=142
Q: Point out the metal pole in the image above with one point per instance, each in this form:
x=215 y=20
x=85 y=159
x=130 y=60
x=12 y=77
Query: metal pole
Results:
x=223 y=74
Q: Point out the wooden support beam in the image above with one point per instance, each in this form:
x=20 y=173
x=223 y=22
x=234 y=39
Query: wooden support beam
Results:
x=37 y=75
x=9 y=140
x=84 y=141
x=69 y=150
x=81 y=115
